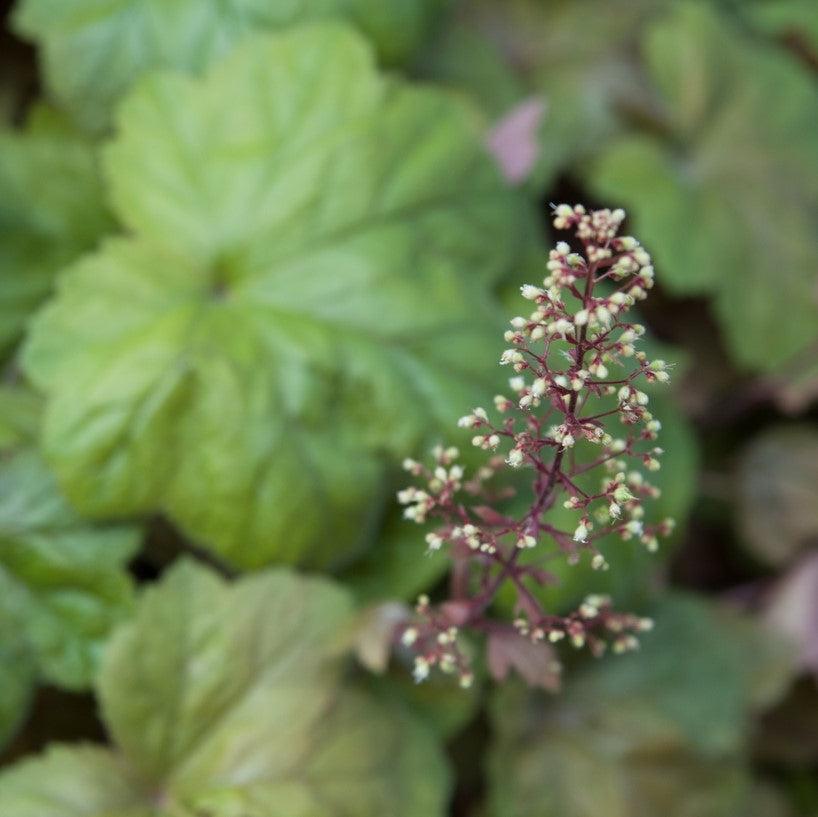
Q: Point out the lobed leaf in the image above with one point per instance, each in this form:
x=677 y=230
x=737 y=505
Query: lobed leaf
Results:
x=52 y=209
x=659 y=732
x=93 y=52
x=63 y=582
x=729 y=107
x=226 y=699
x=72 y=781
x=306 y=286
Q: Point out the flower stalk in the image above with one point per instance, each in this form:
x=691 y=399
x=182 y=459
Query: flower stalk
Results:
x=577 y=371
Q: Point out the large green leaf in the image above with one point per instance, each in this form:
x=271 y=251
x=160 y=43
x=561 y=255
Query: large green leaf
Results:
x=51 y=210
x=728 y=200
x=93 y=51
x=62 y=580
x=226 y=700
x=307 y=286
x=658 y=732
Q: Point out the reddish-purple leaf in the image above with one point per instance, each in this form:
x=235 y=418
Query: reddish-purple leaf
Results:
x=535 y=663
x=513 y=140
x=793 y=610
x=457 y=612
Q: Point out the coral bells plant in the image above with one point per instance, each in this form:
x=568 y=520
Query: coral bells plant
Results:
x=580 y=423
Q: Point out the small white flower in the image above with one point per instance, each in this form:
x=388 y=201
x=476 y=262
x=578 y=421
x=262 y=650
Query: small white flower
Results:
x=515 y=458
x=410 y=635
x=421 y=669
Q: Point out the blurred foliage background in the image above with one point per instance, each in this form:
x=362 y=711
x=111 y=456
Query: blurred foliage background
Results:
x=253 y=253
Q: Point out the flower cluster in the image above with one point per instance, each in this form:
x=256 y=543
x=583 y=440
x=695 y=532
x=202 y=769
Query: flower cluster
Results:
x=577 y=371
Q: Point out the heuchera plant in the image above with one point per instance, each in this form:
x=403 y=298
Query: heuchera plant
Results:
x=578 y=372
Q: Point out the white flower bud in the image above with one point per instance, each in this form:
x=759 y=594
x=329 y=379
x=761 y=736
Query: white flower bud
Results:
x=410 y=635
x=421 y=669
x=434 y=541
x=515 y=458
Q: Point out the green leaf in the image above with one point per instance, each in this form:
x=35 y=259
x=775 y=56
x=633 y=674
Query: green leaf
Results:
x=17 y=676
x=93 y=52
x=728 y=201
x=791 y=21
x=51 y=210
x=443 y=705
x=72 y=781
x=572 y=54
x=657 y=732
x=697 y=646
x=397 y=566
x=306 y=287
x=226 y=700
x=397 y=27
x=62 y=581
x=20 y=413
x=265 y=648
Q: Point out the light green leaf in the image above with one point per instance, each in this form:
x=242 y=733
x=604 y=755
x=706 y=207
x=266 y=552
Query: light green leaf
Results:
x=72 y=781
x=226 y=700
x=728 y=202
x=657 y=732
x=93 y=52
x=307 y=287
x=208 y=672
x=62 y=580
x=51 y=210
x=364 y=758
